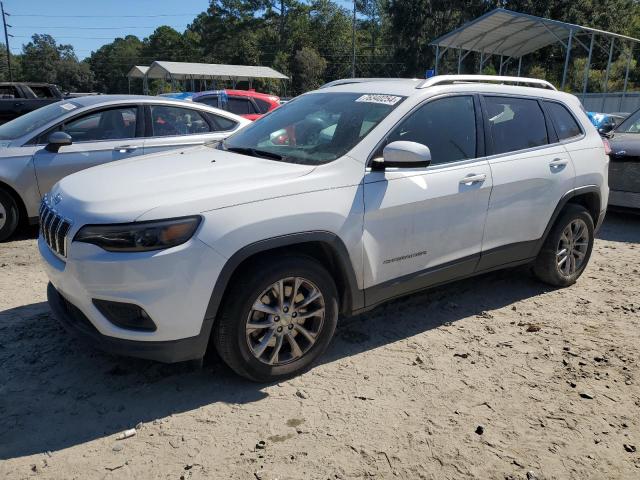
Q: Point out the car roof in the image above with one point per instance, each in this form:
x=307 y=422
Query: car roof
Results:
x=251 y=93
x=238 y=93
x=401 y=86
x=90 y=100
x=94 y=100
x=84 y=104
x=467 y=83
x=29 y=84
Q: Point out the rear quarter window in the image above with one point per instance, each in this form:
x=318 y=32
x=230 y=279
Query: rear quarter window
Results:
x=565 y=124
x=221 y=123
x=263 y=105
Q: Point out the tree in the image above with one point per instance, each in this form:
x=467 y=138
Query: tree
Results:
x=167 y=44
x=111 y=63
x=43 y=60
x=39 y=59
x=310 y=41
x=15 y=65
x=308 y=70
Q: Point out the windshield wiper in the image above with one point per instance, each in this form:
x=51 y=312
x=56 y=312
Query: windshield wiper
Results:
x=253 y=152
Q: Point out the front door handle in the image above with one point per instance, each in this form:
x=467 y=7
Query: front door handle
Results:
x=471 y=179
x=126 y=148
x=558 y=162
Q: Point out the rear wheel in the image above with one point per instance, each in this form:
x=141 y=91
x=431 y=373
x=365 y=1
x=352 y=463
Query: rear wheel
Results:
x=567 y=249
x=278 y=318
x=9 y=215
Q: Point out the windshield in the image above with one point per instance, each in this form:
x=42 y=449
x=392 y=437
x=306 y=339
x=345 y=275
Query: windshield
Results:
x=34 y=120
x=314 y=128
x=631 y=124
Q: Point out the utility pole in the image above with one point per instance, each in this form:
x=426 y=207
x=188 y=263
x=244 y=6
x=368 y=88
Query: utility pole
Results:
x=6 y=40
x=353 y=42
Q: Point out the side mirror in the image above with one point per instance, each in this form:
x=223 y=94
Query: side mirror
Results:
x=57 y=140
x=403 y=154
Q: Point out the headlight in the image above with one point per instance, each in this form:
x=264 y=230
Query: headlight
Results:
x=140 y=236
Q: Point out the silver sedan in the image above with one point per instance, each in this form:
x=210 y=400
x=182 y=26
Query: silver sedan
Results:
x=41 y=147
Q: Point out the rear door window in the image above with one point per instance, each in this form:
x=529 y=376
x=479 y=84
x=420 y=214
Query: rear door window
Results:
x=240 y=106
x=168 y=120
x=42 y=91
x=211 y=100
x=566 y=126
x=515 y=124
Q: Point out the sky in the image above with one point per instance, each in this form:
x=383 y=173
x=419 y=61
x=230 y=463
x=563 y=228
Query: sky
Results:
x=89 y=24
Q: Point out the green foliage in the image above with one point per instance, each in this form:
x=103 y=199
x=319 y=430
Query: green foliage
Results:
x=308 y=69
x=111 y=63
x=44 y=60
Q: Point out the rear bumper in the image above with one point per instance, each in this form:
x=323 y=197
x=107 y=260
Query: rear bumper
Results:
x=619 y=198
x=170 y=351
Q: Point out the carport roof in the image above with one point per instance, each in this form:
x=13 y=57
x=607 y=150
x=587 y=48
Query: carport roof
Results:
x=137 y=71
x=209 y=71
x=513 y=34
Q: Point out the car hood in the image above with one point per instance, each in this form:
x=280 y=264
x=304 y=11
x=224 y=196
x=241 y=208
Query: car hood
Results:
x=625 y=142
x=175 y=183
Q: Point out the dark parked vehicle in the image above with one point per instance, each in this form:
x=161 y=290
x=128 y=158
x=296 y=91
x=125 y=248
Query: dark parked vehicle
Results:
x=624 y=169
x=18 y=98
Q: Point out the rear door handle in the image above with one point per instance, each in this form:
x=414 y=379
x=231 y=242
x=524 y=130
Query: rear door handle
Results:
x=558 y=162
x=471 y=179
x=126 y=148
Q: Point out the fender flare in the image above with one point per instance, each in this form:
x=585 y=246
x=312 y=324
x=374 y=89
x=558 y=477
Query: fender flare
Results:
x=331 y=240
x=563 y=203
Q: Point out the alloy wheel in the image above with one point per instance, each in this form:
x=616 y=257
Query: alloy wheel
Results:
x=285 y=321
x=572 y=247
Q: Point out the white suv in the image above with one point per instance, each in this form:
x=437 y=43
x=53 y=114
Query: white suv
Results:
x=339 y=200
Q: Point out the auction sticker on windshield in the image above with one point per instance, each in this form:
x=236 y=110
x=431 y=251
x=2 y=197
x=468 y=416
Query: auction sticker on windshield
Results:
x=384 y=99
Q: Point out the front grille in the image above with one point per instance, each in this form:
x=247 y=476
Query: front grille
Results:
x=53 y=228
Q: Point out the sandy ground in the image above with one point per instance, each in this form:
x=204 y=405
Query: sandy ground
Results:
x=497 y=377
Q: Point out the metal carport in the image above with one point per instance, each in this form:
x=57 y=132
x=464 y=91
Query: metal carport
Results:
x=511 y=35
x=137 y=71
x=184 y=71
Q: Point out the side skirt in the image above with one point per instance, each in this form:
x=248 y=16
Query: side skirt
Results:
x=496 y=259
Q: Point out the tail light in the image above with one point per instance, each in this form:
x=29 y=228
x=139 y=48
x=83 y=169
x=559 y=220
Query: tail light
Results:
x=607 y=146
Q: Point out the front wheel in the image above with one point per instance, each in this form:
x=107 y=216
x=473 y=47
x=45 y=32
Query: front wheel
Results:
x=567 y=249
x=279 y=317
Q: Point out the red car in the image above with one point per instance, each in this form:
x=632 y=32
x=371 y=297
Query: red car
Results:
x=246 y=103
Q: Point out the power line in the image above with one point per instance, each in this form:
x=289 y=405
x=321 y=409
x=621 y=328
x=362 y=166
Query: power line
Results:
x=95 y=28
x=107 y=16
x=70 y=36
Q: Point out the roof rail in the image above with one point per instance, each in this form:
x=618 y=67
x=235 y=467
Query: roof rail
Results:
x=347 y=81
x=449 y=79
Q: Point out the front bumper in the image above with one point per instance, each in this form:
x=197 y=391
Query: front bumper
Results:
x=172 y=286
x=171 y=351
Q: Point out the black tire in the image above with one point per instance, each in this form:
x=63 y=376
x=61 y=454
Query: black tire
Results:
x=230 y=336
x=11 y=215
x=545 y=266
